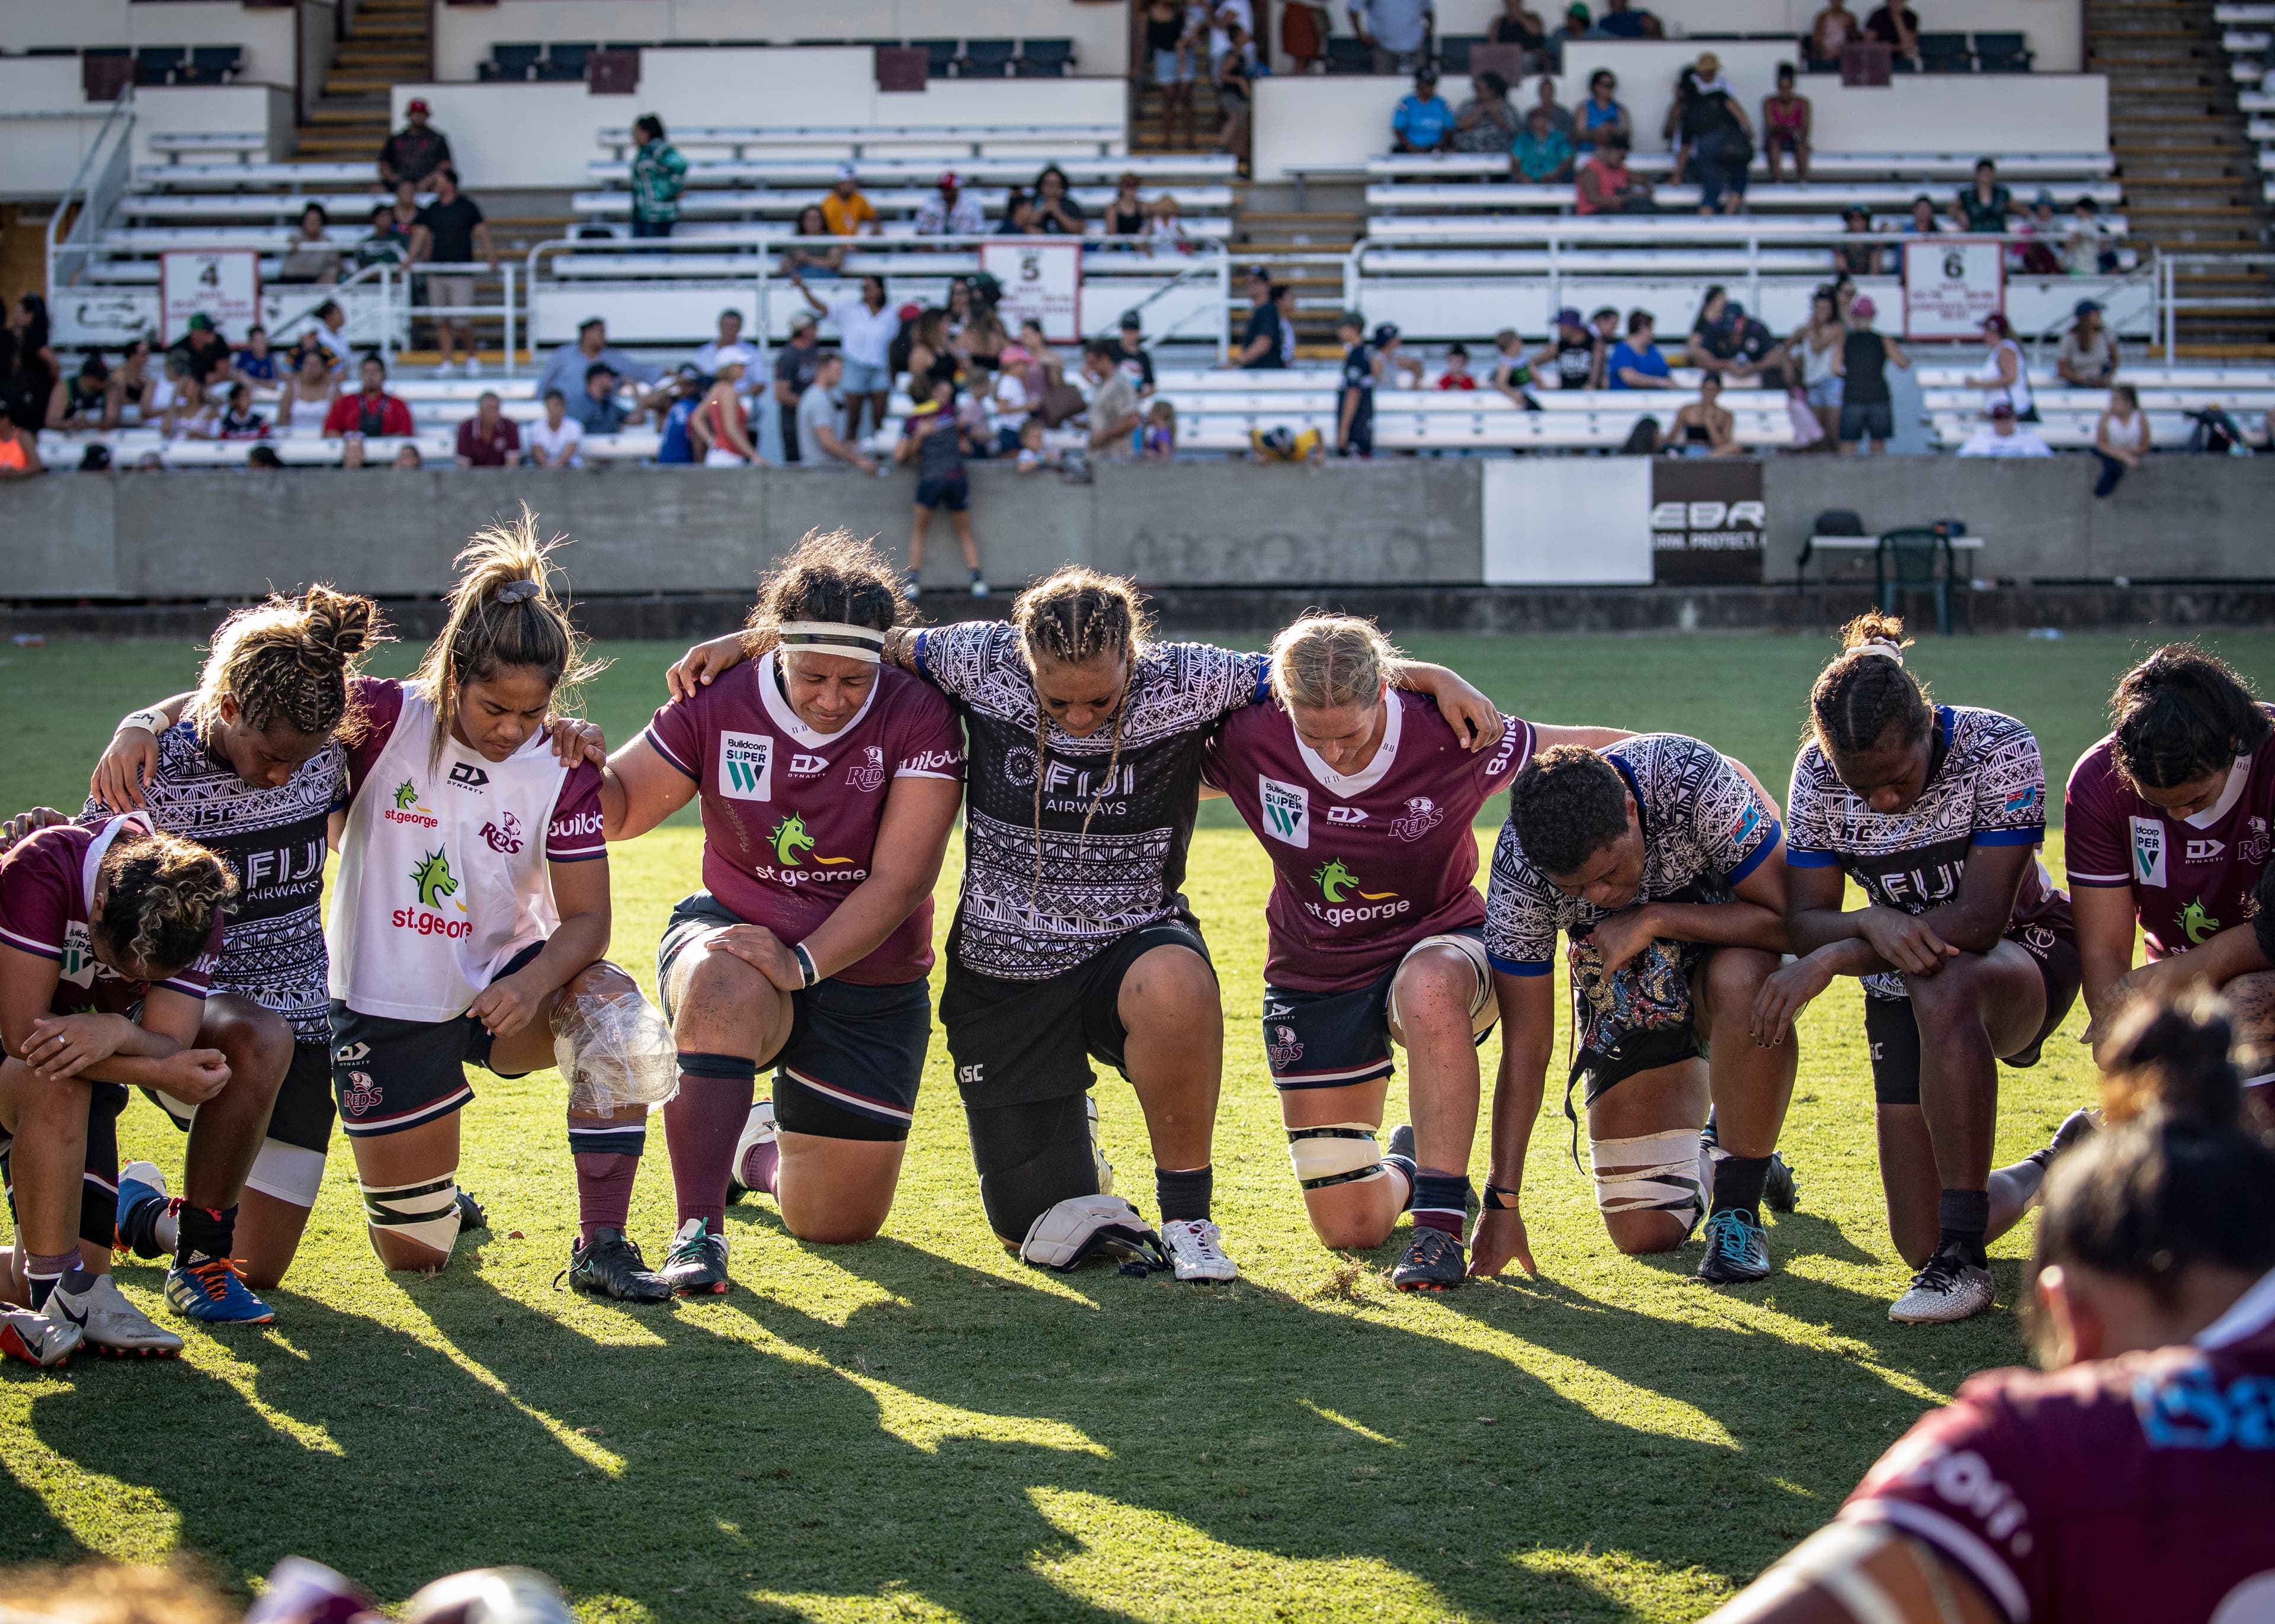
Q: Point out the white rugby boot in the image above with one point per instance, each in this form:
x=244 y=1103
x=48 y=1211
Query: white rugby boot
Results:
x=1197 y=1249
x=1949 y=1288
x=113 y=1325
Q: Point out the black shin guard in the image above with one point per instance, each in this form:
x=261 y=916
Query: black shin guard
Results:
x=1031 y=1157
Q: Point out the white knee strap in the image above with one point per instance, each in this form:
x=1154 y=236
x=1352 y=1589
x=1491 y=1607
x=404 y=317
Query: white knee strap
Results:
x=288 y=1172
x=1656 y=1173
x=426 y=1212
x=1335 y=1153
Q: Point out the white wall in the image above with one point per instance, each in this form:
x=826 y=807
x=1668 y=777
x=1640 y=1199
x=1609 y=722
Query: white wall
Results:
x=43 y=155
x=1311 y=119
x=1534 y=508
x=544 y=135
x=265 y=33
x=463 y=35
x=229 y=109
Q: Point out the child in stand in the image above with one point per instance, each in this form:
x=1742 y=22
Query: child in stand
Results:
x=1159 y=438
x=1457 y=375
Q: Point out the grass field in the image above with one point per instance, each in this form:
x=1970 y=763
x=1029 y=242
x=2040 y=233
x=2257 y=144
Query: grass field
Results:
x=922 y=1428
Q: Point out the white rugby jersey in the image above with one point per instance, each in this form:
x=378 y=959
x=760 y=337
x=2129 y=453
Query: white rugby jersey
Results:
x=443 y=867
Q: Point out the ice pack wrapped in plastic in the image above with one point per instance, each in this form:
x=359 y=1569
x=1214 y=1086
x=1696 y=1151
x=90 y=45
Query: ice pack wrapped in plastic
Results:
x=612 y=1046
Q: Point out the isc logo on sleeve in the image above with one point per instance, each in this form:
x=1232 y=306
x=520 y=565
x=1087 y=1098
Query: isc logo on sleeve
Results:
x=1287 y=812
x=2148 y=851
x=746 y=766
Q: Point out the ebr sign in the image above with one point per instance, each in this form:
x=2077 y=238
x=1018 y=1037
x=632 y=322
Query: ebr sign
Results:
x=1708 y=522
x=1950 y=283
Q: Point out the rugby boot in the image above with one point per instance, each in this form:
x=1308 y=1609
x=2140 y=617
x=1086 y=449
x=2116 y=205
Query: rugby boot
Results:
x=611 y=1266
x=1197 y=1249
x=1737 y=1249
x=142 y=1203
x=757 y=1154
x=47 y=1339
x=471 y=1215
x=212 y=1290
x=1950 y=1288
x=113 y=1325
x=696 y=1266
x=1434 y=1261
x=1781 y=1190
x=2078 y=1124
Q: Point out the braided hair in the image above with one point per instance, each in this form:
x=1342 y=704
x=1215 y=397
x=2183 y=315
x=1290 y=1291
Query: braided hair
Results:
x=163 y=895
x=834 y=577
x=503 y=613
x=287 y=661
x=2182 y=714
x=1070 y=618
x=1866 y=691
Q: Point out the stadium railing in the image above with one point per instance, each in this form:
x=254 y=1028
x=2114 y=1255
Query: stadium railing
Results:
x=1161 y=169
x=858 y=141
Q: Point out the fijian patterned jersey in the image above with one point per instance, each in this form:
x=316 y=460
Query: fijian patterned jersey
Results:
x=1366 y=865
x=2191 y=877
x=1013 y=923
x=1704 y=828
x=1986 y=786
x=47 y=888
x=2112 y=1492
x=273 y=839
x=791 y=816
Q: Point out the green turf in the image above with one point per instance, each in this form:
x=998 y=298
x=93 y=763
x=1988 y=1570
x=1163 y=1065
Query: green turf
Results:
x=921 y=1428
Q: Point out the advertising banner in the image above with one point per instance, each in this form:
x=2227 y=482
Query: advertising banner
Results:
x=1707 y=521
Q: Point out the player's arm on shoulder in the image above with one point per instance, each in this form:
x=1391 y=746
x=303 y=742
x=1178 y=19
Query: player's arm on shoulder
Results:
x=131 y=756
x=1465 y=708
x=639 y=788
x=1860 y=1573
x=1547 y=738
x=704 y=664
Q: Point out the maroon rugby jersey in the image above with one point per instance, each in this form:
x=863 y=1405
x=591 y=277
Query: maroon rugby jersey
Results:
x=2119 y=1491
x=2191 y=877
x=1364 y=867
x=46 y=885
x=791 y=816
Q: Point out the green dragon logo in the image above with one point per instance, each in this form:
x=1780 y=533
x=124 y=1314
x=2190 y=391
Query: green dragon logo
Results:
x=2199 y=925
x=1334 y=880
x=407 y=796
x=432 y=876
x=792 y=842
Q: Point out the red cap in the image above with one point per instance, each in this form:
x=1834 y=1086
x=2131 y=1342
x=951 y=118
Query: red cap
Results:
x=947 y=181
x=417 y=104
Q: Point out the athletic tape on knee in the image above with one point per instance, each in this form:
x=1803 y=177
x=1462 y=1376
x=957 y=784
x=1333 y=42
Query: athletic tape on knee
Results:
x=1653 y=1173
x=1336 y=1153
x=426 y=1212
x=614 y=1047
x=287 y=1172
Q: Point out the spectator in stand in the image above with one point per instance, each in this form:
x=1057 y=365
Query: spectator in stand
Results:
x=1159 y=441
x=811 y=221
x=599 y=407
x=1601 y=115
x=191 y=414
x=1169 y=44
x=1560 y=116
x=566 y=366
x=1542 y=156
x=1422 y=121
x=1719 y=138
x=305 y=400
x=2006 y=374
x=1924 y=221
x=176 y=392
x=256 y=362
x=451 y=231
x=1165 y=233
x=796 y=362
x=1710 y=348
x=1784 y=126
x=1578 y=23
x=259 y=456
x=553 y=441
x=240 y=421
x=728 y=345
x=932 y=438
x=1817 y=347
x=948 y=213
x=687 y=391
x=866 y=326
x=1605 y=321
x=1520 y=25
x=1129 y=353
x=719 y=427
x=387 y=245
x=1114 y=417
x=1055 y=209
x=1621 y=21
x=1223 y=17
x=490 y=439
x=1834 y=27
x=1389 y=356
x=1573 y=349
x=1867 y=408
x=202 y=348
x=86 y=402
x=1606 y=186
x=371 y=413
x=1020 y=217
x=847 y=210
x=407 y=456
x=2041 y=256
x=1512 y=373
x=132 y=385
x=1858 y=259
x=1259 y=344
x=1757 y=357
x=1898 y=29
x=1457 y=375
x=1985 y=206
x=1125 y=216
x=415 y=151
x=2087 y=358
x=659 y=175
x=2120 y=438
x=329 y=333
x=1486 y=124
x=20 y=450
x=818 y=443
x=2088 y=252
x=1635 y=362
x=1396 y=31
x=1235 y=81
x=1355 y=394
x=2002 y=436
x=310 y=256
x=1704 y=427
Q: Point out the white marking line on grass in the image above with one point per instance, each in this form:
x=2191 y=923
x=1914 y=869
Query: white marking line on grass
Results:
x=1345 y=1421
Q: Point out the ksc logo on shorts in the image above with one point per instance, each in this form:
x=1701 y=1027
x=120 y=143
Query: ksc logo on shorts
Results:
x=746 y=766
x=1287 y=812
x=2148 y=851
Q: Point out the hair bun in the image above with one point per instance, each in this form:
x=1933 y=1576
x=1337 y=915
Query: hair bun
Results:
x=2176 y=1059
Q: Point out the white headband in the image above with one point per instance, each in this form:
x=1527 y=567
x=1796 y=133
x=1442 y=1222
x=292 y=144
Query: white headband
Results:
x=831 y=636
x=1880 y=650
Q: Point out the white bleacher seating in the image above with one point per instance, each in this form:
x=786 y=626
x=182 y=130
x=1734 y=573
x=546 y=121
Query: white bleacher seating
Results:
x=1883 y=198
x=2243 y=15
x=1163 y=171
x=860 y=140
x=1679 y=259
x=352 y=207
x=790 y=203
x=1920 y=171
x=437 y=447
x=204 y=143
x=235 y=177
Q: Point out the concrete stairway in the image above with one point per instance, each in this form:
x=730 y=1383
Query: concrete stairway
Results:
x=386 y=43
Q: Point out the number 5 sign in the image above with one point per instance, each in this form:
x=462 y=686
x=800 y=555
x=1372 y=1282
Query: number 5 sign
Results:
x=1950 y=285
x=1042 y=282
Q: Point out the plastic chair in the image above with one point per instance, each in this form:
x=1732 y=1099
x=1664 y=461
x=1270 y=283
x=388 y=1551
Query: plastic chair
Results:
x=2001 y=53
x=1906 y=561
x=1453 y=51
x=565 y=63
x=154 y=64
x=516 y=61
x=989 y=58
x=1946 y=53
x=1045 y=59
x=940 y=55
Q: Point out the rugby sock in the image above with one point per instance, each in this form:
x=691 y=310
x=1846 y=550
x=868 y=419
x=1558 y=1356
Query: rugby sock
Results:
x=760 y=1163
x=1441 y=1200
x=701 y=1124
x=1963 y=1215
x=45 y=1274
x=206 y=1231
x=150 y=1227
x=1404 y=1166
x=607 y=1157
x=1183 y=1194
x=1738 y=1181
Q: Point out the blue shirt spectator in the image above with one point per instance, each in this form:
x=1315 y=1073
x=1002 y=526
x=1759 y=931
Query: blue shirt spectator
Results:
x=675 y=447
x=1424 y=119
x=1636 y=362
x=1622 y=23
x=565 y=368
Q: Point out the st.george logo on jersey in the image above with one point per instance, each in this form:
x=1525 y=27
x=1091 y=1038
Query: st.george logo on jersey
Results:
x=1287 y=812
x=746 y=766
